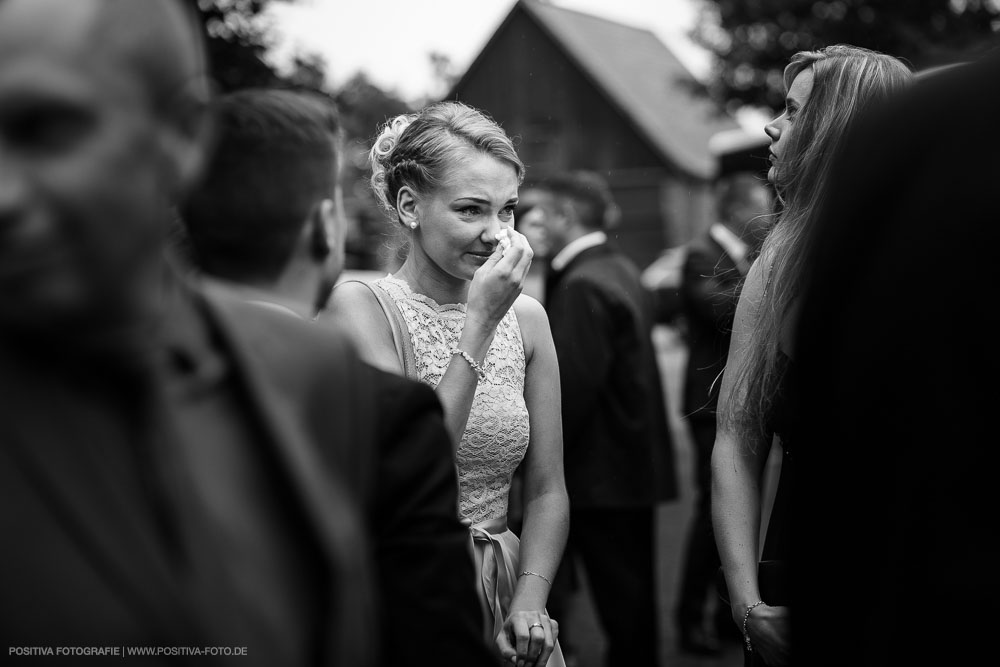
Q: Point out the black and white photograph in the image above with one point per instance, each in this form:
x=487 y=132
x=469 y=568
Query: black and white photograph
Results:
x=525 y=333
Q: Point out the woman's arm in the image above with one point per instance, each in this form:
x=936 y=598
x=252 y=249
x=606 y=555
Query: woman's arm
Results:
x=353 y=308
x=546 y=506
x=494 y=289
x=737 y=469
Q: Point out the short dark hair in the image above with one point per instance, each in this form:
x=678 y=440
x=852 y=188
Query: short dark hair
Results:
x=589 y=193
x=275 y=158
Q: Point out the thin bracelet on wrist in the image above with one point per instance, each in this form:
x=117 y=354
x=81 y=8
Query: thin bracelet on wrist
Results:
x=535 y=574
x=746 y=617
x=480 y=373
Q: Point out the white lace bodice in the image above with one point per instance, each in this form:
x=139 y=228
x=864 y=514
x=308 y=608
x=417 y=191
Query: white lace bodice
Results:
x=496 y=436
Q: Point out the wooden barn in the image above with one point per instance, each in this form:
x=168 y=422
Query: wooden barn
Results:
x=581 y=92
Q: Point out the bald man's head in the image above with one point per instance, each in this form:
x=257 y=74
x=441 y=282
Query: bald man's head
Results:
x=158 y=40
x=103 y=123
x=162 y=42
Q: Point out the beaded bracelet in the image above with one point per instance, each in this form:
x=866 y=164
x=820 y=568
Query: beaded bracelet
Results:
x=535 y=574
x=480 y=373
x=746 y=617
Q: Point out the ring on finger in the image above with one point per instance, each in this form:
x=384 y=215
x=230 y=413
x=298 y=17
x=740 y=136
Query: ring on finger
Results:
x=536 y=625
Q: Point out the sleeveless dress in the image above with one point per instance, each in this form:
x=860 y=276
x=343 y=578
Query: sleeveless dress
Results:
x=493 y=444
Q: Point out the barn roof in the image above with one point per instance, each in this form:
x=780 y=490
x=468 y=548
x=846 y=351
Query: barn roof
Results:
x=640 y=76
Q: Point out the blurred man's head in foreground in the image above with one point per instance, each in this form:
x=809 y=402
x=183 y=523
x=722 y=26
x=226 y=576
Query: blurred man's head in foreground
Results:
x=101 y=128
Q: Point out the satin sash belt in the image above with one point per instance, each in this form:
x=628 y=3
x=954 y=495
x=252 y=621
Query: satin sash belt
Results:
x=497 y=572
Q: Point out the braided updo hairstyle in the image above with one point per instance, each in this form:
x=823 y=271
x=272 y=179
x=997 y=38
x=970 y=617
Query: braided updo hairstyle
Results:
x=415 y=150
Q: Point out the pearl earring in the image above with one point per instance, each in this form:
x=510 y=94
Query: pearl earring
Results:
x=413 y=224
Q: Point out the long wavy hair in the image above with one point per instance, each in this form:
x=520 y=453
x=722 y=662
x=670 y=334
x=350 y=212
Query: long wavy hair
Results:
x=847 y=81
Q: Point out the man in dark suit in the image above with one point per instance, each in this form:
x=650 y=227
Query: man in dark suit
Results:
x=181 y=470
x=617 y=442
x=266 y=219
x=714 y=266
x=894 y=384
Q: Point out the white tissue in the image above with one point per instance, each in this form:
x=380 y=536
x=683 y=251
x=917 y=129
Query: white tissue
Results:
x=504 y=238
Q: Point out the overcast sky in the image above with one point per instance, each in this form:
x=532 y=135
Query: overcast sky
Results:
x=390 y=39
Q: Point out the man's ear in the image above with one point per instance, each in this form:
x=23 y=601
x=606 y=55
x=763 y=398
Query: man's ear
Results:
x=322 y=225
x=406 y=207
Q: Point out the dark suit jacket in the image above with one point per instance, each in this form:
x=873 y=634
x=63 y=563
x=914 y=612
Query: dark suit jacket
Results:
x=709 y=294
x=895 y=388
x=618 y=449
x=400 y=463
x=84 y=568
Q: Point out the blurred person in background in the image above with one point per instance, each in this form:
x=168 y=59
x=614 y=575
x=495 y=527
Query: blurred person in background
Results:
x=266 y=219
x=896 y=361
x=530 y=221
x=164 y=480
x=529 y=218
x=715 y=265
x=618 y=445
x=827 y=92
x=453 y=316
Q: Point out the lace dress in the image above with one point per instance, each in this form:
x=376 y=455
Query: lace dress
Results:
x=493 y=444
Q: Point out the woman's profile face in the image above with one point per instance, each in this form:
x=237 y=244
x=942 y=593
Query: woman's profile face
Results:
x=781 y=127
x=458 y=222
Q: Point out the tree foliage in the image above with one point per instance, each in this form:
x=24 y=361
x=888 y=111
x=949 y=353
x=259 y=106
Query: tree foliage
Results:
x=752 y=40
x=364 y=108
x=238 y=37
x=446 y=74
x=237 y=41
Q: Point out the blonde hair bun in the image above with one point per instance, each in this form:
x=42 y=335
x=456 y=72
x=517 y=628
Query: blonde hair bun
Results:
x=380 y=156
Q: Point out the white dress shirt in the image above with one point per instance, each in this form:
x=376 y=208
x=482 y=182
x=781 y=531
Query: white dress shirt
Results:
x=574 y=248
x=734 y=246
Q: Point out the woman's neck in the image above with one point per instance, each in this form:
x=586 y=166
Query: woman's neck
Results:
x=425 y=277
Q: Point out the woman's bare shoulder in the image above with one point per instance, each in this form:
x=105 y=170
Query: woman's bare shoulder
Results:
x=526 y=306
x=530 y=312
x=353 y=300
x=533 y=322
x=354 y=308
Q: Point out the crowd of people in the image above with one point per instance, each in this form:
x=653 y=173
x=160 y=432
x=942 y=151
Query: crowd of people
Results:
x=214 y=446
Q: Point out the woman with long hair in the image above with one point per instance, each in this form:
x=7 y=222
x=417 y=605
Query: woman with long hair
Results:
x=827 y=91
x=448 y=176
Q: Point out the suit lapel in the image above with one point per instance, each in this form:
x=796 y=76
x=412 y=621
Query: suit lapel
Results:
x=554 y=278
x=86 y=477
x=592 y=252
x=278 y=407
